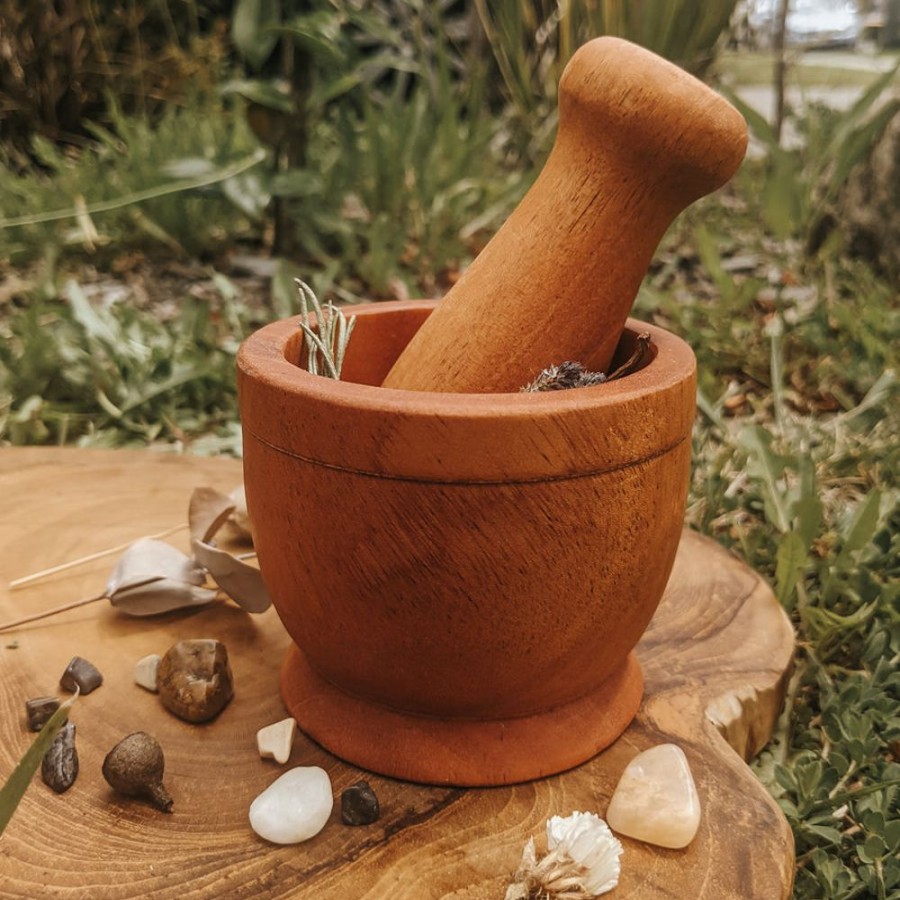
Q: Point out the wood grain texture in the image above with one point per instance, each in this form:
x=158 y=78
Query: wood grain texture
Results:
x=639 y=140
x=715 y=659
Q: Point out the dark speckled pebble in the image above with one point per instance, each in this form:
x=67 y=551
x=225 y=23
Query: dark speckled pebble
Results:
x=39 y=709
x=359 y=805
x=81 y=674
x=59 y=768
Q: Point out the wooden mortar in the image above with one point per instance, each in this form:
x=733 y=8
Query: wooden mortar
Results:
x=464 y=576
x=639 y=140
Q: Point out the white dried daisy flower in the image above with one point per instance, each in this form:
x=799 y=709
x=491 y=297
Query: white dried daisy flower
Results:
x=582 y=861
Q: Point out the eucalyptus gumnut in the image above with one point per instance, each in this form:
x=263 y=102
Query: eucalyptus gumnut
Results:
x=134 y=768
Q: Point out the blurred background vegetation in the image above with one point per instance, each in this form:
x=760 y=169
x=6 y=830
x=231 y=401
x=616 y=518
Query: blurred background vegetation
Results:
x=168 y=167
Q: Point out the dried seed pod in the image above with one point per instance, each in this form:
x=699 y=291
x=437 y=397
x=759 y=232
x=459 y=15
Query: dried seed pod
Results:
x=194 y=679
x=59 y=767
x=82 y=675
x=134 y=768
x=39 y=709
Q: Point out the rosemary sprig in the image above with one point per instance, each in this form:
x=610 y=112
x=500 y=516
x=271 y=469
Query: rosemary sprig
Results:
x=326 y=341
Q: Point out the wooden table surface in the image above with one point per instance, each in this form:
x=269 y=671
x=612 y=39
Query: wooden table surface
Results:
x=715 y=657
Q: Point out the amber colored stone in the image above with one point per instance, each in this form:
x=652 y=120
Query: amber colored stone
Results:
x=656 y=800
x=194 y=679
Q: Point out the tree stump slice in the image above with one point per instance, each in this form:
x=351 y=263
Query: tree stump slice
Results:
x=716 y=659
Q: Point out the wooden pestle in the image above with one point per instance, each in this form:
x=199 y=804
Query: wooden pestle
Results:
x=639 y=140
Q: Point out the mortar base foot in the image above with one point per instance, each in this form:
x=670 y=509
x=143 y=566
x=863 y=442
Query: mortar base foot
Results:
x=464 y=752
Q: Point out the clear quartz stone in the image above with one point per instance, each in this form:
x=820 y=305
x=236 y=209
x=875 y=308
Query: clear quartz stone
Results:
x=295 y=807
x=656 y=799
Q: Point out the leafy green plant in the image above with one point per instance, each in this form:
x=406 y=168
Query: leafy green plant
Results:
x=418 y=181
x=811 y=502
x=302 y=58
x=59 y=61
x=143 y=181
x=532 y=40
x=72 y=370
x=803 y=182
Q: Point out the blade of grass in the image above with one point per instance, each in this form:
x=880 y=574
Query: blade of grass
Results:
x=21 y=776
x=174 y=187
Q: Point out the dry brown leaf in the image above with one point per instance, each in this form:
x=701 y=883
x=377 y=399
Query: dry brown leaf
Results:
x=207 y=512
x=238 y=525
x=242 y=582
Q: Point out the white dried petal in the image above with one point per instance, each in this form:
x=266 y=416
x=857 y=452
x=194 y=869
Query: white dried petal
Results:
x=238 y=525
x=207 y=512
x=153 y=577
x=160 y=595
x=582 y=861
x=149 y=559
x=586 y=839
x=241 y=581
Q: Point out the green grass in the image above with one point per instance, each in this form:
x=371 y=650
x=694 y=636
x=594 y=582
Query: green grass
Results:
x=805 y=71
x=163 y=183
x=73 y=371
x=796 y=459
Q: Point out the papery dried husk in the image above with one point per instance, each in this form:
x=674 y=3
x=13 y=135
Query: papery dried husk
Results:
x=241 y=581
x=207 y=513
x=153 y=577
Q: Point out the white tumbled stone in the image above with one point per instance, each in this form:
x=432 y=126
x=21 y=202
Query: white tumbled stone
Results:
x=145 y=672
x=295 y=807
x=275 y=741
x=656 y=800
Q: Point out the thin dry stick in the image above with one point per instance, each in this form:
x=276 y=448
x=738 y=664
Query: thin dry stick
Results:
x=74 y=604
x=15 y=623
x=45 y=573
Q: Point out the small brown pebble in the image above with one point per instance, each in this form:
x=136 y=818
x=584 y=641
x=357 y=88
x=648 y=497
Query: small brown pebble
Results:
x=82 y=675
x=39 y=709
x=59 y=767
x=194 y=679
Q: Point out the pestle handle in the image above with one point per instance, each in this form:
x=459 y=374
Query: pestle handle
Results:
x=639 y=140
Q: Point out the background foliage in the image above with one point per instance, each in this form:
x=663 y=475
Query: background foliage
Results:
x=373 y=148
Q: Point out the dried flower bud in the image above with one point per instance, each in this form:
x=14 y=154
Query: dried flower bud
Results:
x=582 y=861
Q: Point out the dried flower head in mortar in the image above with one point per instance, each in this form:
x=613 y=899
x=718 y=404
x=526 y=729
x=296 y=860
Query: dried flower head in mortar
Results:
x=571 y=374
